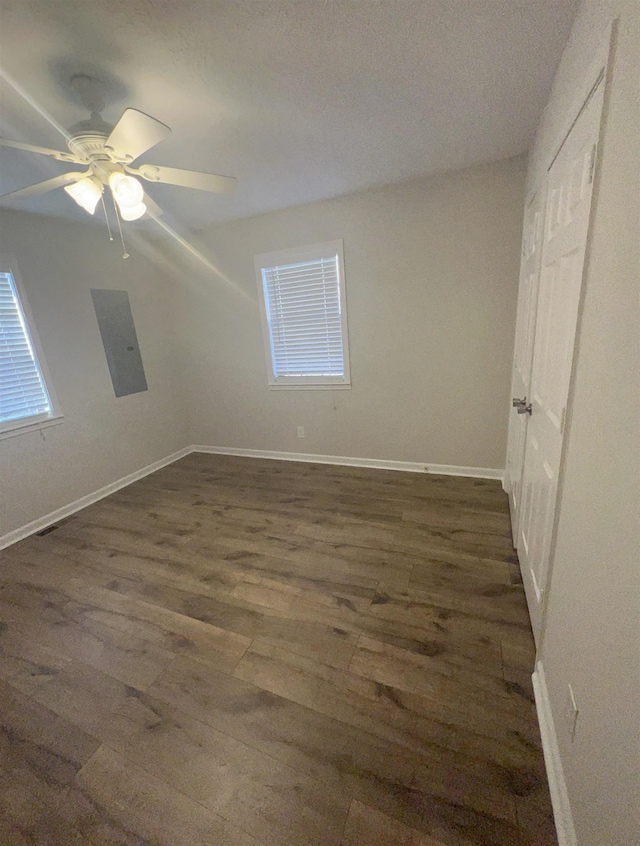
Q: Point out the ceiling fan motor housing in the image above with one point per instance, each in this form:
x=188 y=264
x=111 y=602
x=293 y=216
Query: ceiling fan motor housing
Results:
x=89 y=146
x=88 y=139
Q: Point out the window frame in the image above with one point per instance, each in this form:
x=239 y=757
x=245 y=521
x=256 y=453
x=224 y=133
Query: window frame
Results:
x=312 y=252
x=34 y=422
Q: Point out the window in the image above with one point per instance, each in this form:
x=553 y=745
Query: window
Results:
x=24 y=397
x=304 y=318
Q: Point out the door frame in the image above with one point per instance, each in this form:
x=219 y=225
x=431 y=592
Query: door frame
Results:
x=599 y=74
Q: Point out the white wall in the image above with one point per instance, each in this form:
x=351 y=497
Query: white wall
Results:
x=591 y=637
x=431 y=275
x=102 y=438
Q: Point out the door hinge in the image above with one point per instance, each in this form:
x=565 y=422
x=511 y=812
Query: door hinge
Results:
x=592 y=166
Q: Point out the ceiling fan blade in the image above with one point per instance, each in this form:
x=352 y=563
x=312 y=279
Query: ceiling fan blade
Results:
x=187 y=178
x=135 y=133
x=43 y=151
x=47 y=185
x=153 y=209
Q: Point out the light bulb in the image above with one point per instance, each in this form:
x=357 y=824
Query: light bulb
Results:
x=86 y=194
x=132 y=212
x=126 y=190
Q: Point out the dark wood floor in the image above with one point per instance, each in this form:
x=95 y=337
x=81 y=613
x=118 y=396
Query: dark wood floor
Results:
x=236 y=651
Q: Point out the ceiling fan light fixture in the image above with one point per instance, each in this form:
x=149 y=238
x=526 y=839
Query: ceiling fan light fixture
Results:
x=86 y=193
x=132 y=212
x=127 y=191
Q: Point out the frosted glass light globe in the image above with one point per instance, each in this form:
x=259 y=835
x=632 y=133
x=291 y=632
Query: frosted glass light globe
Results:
x=86 y=194
x=133 y=212
x=126 y=190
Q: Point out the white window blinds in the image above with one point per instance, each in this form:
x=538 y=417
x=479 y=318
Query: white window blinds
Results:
x=23 y=393
x=303 y=306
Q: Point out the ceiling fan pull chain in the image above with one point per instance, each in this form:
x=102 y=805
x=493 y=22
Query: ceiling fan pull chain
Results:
x=125 y=254
x=106 y=216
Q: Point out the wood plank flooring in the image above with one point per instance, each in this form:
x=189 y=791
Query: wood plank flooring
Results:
x=241 y=652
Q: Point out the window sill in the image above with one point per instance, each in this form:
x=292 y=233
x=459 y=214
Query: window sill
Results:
x=327 y=387
x=26 y=427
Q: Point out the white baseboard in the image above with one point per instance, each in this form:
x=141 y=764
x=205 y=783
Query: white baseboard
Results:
x=376 y=463
x=553 y=762
x=347 y=461
x=78 y=504
x=469 y=472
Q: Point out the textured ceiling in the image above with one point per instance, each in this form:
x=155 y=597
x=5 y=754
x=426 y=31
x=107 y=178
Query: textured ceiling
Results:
x=300 y=100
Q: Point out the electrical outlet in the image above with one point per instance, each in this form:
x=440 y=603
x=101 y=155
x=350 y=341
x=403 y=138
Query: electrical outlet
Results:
x=301 y=431
x=571 y=713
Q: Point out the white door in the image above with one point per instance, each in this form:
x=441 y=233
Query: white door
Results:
x=564 y=245
x=523 y=350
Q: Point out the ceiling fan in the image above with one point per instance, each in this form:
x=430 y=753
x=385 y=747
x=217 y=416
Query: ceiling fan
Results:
x=108 y=153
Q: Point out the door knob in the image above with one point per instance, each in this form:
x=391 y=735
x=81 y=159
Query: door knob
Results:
x=524 y=409
x=517 y=403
